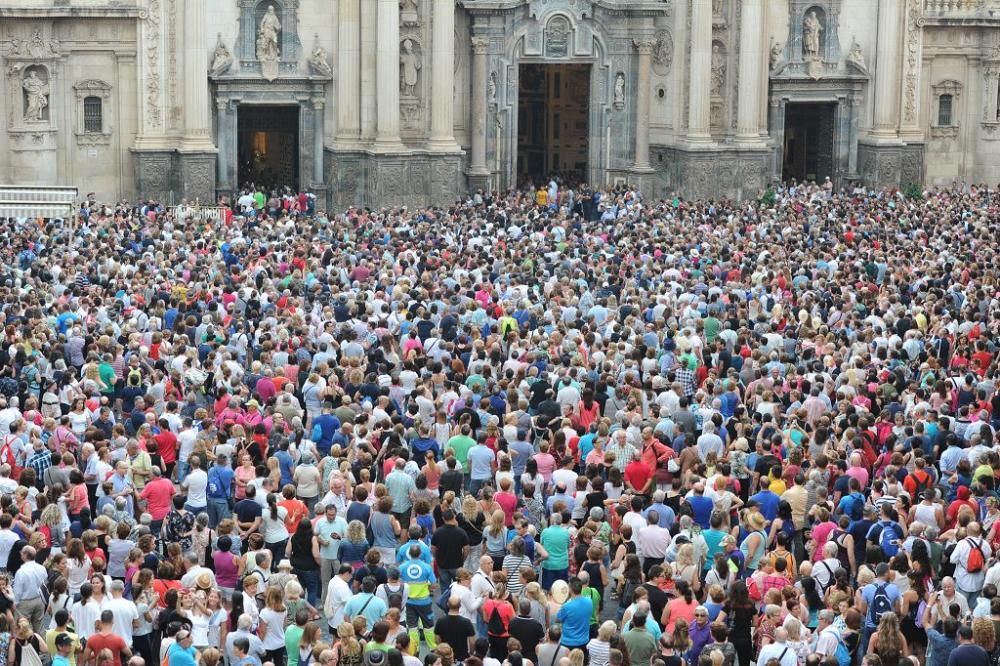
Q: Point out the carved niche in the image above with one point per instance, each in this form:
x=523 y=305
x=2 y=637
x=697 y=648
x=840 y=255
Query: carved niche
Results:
x=93 y=112
x=557 y=37
x=253 y=46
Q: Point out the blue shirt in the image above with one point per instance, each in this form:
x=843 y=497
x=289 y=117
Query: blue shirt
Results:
x=419 y=578
x=480 y=460
x=869 y=594
x=575 y=617
x=220 y=481
x=181 y=657
x=374 y=608
x=403 y=554
x=666 y=514
x=286 y=464
x=324 y=428
x=701 y=506
x=768 y=503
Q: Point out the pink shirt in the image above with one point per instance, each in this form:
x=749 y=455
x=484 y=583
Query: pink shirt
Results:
x=507 y=502
x=546 y=465
x=859 y=473
x=820 y=534
x=159 y=493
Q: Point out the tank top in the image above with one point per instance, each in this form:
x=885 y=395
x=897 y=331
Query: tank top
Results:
x=593 y=569
x=925 y=514
x=226 y=571
x=753 y=562
x=382 y=532
x=301 y=557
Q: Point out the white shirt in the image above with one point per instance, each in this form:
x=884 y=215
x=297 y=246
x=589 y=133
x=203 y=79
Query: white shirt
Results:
x=274 y=638
x=965 y=581
x=85 y=617
x=125 y=612
x=781 y=651
x=338 y=593
x=470 y=602
x=197 y=487
x=827 y=641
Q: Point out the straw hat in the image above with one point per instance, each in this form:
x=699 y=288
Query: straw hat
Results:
x=755 y=521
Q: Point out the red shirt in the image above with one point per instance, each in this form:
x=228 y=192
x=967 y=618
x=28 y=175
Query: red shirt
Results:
x=112 y=642
x=507 y=502
x=297 y=510
x=166 y=443
x=159 y=493
x=637 y=474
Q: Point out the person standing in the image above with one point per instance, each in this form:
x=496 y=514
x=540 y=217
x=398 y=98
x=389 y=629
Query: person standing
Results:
x=555 y=544
x=30 y=579
x=330 y=530
x=107 y=639
x=455 y=630
x=970 y=558
x=220 y=491
x=968 y=653
x=449 y=547
x=640 y=643
x=337 y=594
x=420 y=585
x=401 y=488
x=196 y=485
x=575 y=617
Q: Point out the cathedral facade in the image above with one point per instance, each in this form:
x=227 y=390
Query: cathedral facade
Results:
x=389 y=102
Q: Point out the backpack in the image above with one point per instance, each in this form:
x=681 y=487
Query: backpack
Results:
x=977 y=560
x=921 y=485
x=841 y=654
x=495 y=626
x=857 y=507
x=889 y=538
x=880 y=604
x=444 y=598
x=7 y=457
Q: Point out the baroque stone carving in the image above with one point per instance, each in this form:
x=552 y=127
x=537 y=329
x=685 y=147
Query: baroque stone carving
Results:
x=913 y=30
x=856 y=58
x=409 y=14
x=620 y=91
x=152 y=45
x=491 y=87
x=222 y=59
x=718 y=69
x=557 y=33
x=267 y=44
x=319 y=62
x=777 y=55
x=36 y=95
x=663 y=52
x=409 y=68
x=175 y=111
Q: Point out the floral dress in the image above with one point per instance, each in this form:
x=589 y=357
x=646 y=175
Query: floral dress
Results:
x=178 y=524
x=4 y=647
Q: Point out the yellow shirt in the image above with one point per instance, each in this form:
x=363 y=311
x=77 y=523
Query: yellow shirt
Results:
x=50 y=642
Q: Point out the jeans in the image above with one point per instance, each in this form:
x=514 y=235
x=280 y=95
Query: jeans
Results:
x=277 y=552
x=476 y=484
x=218 y=510
x=447 y=577
x=195 y=509
x=550 y=576
x=310 y=579
x=182 y=470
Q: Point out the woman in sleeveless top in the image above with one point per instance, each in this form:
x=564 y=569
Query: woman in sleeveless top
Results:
x=228 y=567
x=888 y=641
x=385 y=531
x=348 y=649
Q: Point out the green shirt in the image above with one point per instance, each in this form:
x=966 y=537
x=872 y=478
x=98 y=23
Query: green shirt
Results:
x=555 y=541
x=641 y=646
x=258 y=200
x=461 y=444
x=712 y=326
x=108 y=376
x=293 y=637
x=595 y=598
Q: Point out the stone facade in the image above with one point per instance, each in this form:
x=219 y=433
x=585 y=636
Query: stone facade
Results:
x=416 y=102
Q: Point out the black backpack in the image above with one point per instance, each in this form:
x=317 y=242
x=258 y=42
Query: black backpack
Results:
x=880 y=604
x=495 y=626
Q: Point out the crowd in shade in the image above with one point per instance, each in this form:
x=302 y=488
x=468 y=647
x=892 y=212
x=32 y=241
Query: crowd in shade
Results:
x=559 y=427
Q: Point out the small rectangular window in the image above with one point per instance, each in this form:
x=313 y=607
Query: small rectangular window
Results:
x=944 y=111
x=92 y=115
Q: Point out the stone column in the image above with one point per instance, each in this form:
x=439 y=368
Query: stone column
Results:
x=751 y=65
x=222 y=127
x=887 y=67
x=645 y=49
x=477 y=163
x=387 y=75
x=197 y=113
x=348 y=70
x=443 y=77
x=700 y=72
x=318 y=105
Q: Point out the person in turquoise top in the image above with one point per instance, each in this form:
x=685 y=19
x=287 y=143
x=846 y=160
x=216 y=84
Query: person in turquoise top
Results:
x=554 y=541
x=713 y=538
x=366 y=603
x=461 y=443
x=575 y=616
x=293 y=637
x=415 y=533
x=420 y=584
x=329 y=530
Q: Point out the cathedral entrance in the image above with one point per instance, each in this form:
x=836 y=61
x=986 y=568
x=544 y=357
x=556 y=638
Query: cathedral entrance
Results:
x=809 y=141
x=553 y=107
x=268 y=145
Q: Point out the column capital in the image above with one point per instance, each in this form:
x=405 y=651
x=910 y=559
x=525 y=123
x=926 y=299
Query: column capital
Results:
x=318 y=103
x=480 y=45
x=221 y=103
x=644 y=46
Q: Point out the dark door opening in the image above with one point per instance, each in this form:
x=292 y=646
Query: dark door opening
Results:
x=553 y=106
x=808 y=150
x=268 y=151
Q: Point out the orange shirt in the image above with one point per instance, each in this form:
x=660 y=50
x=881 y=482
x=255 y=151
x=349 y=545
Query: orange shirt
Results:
x=297 y=510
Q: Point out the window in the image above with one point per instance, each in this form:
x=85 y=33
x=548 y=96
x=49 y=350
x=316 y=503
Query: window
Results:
x=92 y=115
x=944 y=111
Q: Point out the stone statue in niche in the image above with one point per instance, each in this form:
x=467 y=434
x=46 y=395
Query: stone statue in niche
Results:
x=36 y=94
x=620 y=90
x=812 y=28
x=409 y=69
x=267 y=44
x=222 y=59
x=777 y=54
x=408 y=14
x=491 y=87
x=318 y=61
x=718 y=70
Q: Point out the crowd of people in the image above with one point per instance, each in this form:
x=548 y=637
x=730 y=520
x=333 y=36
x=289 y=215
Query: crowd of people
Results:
x=543 y=428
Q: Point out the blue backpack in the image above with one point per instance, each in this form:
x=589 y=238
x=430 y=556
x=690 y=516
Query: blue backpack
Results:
x=442 y=600
x=841 y=654
x=889 y=539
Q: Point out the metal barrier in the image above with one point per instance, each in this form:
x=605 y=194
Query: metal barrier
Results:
x=49 y=202
x=198 y=212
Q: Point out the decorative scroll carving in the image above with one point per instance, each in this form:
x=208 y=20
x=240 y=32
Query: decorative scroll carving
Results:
x=152 y=46
x=913 y=13
x=409 y=14
x=663 y=52
x=557 y=34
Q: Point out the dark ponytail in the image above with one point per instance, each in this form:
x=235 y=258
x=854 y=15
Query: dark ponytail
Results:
x=272 y=502
x=685 y=589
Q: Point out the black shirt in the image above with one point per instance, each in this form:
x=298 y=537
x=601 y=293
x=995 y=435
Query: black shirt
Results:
x=449 y=542
x=451 y=479
x=657 y=600
x=529 y=633
x=969 y=655
x=248 y=510
x=455 y=630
